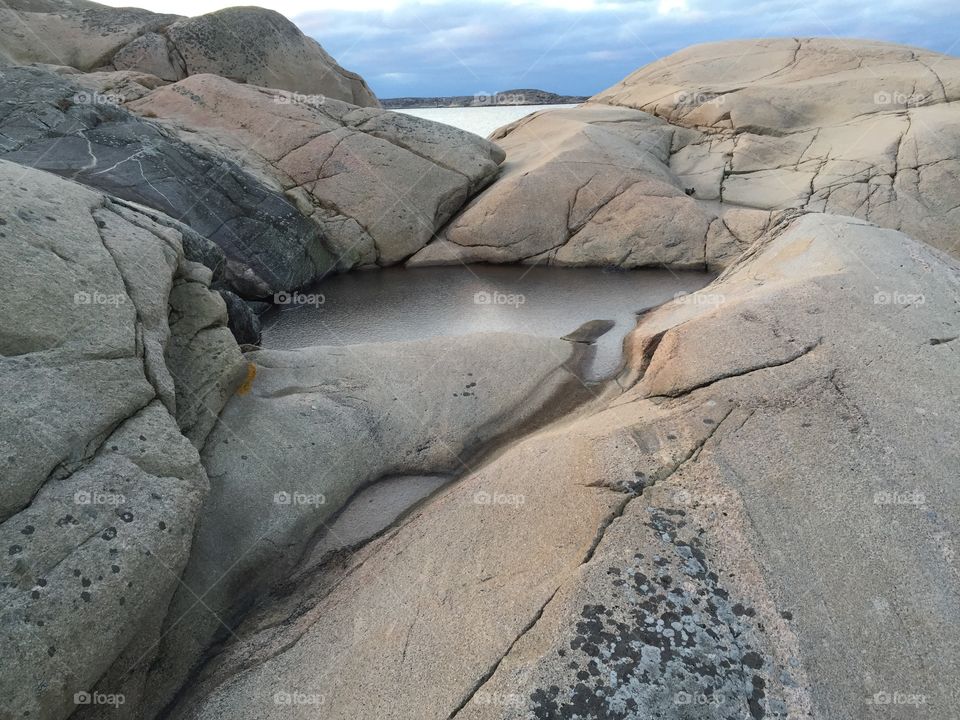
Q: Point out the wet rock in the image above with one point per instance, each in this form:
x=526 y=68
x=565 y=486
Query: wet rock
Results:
x=243 y=321
x=357 y=413
x=589 y=331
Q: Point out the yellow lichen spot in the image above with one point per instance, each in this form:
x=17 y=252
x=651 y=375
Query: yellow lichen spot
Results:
x=248 y=381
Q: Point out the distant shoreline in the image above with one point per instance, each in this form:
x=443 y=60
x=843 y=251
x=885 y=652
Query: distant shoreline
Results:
x=507 y=98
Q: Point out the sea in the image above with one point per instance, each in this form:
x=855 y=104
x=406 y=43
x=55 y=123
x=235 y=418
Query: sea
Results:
x=480 y=120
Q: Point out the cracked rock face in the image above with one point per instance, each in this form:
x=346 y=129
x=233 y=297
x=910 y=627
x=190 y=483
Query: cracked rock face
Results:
x=682 y=163
x=846 y=127
x=100 y=487
x=248 y=44
x=592 y=186
x=50 y=123
x=658 y=634
x=378 y=184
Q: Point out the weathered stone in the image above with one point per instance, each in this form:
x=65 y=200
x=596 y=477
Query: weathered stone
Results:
x=378 y=184
x=585 y=186
x=684 y=546
x=243 y=322
x=318 y=425
x=261 y=47
x=689 y=146
x=100 y=144
x=847 y=127
x=248 y=44
x=99 y=488
x=81 y=34
x=117 y=86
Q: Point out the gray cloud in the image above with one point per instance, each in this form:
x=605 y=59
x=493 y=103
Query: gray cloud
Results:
x=465 y=47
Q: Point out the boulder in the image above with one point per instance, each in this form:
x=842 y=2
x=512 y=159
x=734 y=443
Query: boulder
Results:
x=268 y=245
x=243 y=321
x=100 y=487
x=592 y=185
x=261 y=47
x=248 y=44
x=729 y=531
x=76 y=33
x=377 y=183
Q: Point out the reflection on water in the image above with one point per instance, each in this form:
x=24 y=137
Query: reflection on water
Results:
x=398 y=304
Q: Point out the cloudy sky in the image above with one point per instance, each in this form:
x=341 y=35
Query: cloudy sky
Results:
x=462 y=47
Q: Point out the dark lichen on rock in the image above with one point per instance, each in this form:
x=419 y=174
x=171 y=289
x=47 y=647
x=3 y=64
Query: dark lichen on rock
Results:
x=673 y=643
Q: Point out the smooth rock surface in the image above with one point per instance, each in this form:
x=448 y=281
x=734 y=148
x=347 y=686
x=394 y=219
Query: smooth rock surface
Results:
x=315 y=426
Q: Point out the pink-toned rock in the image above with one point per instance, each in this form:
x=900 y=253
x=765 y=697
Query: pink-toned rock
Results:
x=379 y=184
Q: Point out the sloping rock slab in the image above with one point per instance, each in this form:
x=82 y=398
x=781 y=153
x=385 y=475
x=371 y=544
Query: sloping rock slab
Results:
x=378 y=184
x=729 y=536
x=49 y=123
x=318 y=425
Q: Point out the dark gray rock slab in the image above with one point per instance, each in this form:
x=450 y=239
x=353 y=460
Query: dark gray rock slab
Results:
x=51 y=124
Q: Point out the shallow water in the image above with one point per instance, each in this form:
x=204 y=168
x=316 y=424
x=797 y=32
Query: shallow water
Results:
x=398 y=304
x=479 y=120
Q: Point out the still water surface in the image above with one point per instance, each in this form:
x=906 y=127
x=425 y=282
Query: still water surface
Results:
x=398 y=304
